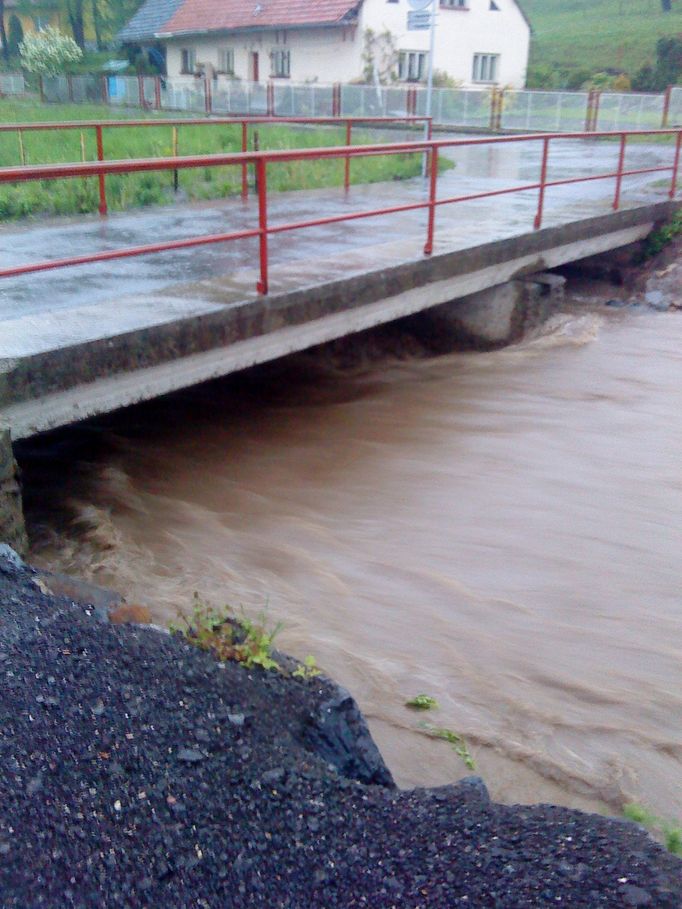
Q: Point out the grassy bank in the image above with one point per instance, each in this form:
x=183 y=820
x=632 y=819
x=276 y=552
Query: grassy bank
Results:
x=128 y=191
x=597 y=35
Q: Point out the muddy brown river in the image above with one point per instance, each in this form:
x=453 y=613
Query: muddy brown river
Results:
x=502 y=531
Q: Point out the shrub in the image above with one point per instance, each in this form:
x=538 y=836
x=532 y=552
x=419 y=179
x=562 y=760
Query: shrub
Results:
x=49 y=52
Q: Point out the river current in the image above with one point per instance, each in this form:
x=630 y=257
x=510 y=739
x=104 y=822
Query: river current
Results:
x=501 y=531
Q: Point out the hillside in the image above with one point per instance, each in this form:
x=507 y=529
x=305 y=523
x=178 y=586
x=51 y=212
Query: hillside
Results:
x=595 y=35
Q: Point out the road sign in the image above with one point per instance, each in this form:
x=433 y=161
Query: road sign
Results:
x=418 y=20
x=419 y=4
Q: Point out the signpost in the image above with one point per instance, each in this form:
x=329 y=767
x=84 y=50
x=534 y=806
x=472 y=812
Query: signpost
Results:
x=422 y=15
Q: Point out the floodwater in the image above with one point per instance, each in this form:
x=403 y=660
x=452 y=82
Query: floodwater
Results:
x=501 y=531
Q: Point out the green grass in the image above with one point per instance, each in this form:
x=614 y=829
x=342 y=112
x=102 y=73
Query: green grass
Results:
x=596 y=35
x=79 y=196
x=669 y=833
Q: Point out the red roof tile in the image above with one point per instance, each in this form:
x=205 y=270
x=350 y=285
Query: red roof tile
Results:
x=220 y=15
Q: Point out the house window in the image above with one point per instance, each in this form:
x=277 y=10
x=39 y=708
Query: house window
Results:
x=455 y=4
x=411 y=66
x=280 y=64
x=486 y=67
x=188 y=61
x=226 y=61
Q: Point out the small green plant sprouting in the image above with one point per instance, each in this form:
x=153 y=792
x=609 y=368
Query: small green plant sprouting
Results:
x=458 y=743
x=307 y=670
x=671 y=833
x=422 y=702
x=228 y=637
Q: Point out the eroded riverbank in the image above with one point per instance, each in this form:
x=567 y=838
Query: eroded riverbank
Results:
x=136 y=770
x=499 y=530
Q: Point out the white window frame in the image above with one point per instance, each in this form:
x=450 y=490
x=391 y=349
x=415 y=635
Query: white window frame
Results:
x=455 y=4
x=412 y=65
x=226 y=61
x=486 y=68
x=280 y=63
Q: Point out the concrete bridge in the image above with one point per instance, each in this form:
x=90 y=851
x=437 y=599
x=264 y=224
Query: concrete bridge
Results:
x=95 y=337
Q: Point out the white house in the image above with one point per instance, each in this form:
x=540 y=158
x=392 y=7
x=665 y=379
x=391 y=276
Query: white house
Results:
x=478 y=42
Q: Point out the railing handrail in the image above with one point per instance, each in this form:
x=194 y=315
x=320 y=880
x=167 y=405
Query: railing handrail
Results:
x=208 y=120
x=22 y=173
x=260 y=159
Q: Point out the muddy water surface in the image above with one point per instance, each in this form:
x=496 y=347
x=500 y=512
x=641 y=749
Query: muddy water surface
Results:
x=502 y=531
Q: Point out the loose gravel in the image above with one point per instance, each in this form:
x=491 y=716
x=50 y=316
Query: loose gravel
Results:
x=136 y=771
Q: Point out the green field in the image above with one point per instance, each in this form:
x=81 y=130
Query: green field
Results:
x=80 y=195
x=597 y=35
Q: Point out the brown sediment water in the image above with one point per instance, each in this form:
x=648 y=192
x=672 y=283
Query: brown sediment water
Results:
x=501 y=531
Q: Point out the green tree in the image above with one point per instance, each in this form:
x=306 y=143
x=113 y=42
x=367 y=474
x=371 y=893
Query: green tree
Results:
x=16 y=35
x=3 y=34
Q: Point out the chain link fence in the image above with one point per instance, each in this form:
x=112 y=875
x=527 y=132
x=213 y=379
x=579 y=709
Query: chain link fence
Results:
x=12 y=84
x=481 y=109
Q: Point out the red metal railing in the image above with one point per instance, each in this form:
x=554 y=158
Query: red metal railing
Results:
x=261 y=160
x=175 y=123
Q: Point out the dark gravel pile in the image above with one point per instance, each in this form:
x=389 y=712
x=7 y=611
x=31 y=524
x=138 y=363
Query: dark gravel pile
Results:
x=136 y=771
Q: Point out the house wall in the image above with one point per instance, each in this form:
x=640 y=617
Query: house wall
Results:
x=317 y=54
x=336 y=54
x=460 y=33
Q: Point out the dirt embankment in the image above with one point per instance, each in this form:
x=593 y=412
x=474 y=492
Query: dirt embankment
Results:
x=137 y=771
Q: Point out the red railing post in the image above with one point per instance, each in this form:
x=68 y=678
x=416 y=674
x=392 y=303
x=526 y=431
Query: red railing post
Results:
x=346 y=169
x=102 y=179
x=433 y=185
x=105 y=89
x=537 y=224
x=619 y=175
x=666 y=106
x=676 y=165
x=245 y=167
x=261 y=179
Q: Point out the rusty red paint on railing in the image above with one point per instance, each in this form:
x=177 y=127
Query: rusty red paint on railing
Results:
x=243 y=122
x=261 y=160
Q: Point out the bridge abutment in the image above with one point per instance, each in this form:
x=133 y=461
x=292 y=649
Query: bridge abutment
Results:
x=495 y=317
x=12 y=526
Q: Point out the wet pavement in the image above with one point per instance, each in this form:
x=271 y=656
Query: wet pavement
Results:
x=49 y=309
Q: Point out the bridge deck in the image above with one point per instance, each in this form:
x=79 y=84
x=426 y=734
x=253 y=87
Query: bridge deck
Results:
x=48 y=318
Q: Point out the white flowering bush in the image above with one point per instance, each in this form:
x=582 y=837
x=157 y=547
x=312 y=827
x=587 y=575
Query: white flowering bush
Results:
x=48 y=52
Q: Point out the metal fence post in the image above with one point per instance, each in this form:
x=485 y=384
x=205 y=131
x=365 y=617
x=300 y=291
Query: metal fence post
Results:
x=102 y=179
x=666 y=106
x=140 y=90
x=676 y=165
x=176 y=144
x=433 y=185
x=346 y=169
x=537 y=224
x=105 y=89
x=261 y=179
x=245 y=167
x=157 y=92
x=619 y=175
